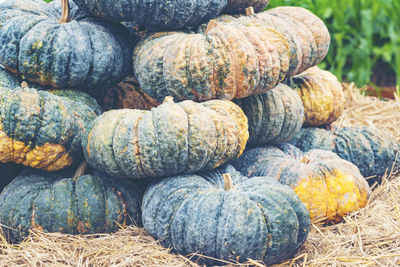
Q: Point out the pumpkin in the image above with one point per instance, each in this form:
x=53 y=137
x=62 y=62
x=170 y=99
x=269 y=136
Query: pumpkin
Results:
x=41 y=130
x=127 y=94
x=224 y=215
x=322 y=96
x=155 y=15
x=239 y=6
x=274 y=117
x=372 y=151
x=172 y=138
x=74 y=52
x=329 y=186
x=229 y=59
x=58 y=202
x=8 y=171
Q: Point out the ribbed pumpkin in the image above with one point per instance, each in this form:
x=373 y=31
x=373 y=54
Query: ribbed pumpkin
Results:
x=172 y=138
x=224 y=215
x=372 y=151
x=75 y=51
x=239 y=6
x=56 y=202
x=322 y=96
x=41 y=130
x=155 y=14
x=274 y=117
x=127 y=94
x=229 y=60
x=329 y=186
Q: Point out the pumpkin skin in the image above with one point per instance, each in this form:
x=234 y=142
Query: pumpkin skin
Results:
x=372 y=151
x=127 y=94
x=54 y=202
x=155 y=15
x=239 y=6
x=83 y=53
x=258 y=218
x=41 y=130
x=322 y=96
x=329 y=186
x=274 y=117
x=172 y=138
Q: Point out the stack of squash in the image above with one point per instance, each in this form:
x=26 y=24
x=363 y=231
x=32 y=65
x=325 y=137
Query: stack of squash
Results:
x=184 y=95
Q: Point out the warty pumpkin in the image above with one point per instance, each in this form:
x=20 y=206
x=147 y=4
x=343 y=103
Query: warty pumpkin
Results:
x=170 y=139
x=322 y=96
x=68 y=50
x=329 y=186
x=274 y=117
x=62 y=202
x=224 y=215
x=372 y=151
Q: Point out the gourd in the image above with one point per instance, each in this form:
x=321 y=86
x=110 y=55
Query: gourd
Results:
x=170 y=139
x=239 y=6
x=42 y=130
x=68 y=50
x=230 y=60
x=224 y=215
x=59 y=202
x=127 y=94
x=322 y=96
x=372 y=151
x=329 y=186
x=274 y=117
x=155 y=15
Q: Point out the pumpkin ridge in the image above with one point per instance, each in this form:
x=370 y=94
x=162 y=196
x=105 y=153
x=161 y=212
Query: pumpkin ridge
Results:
x=219 y=222
x=265 y=249
x=121 y=169
x=88 y=36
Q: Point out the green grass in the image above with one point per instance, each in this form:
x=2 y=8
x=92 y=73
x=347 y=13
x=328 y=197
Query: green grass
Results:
x=364 y=32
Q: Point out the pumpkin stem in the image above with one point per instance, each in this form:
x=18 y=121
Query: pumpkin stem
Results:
x=250 y=11
x=168 y=99
x=305 y=160
x=24 y=84
x=80 y=171
x=227 y=181
x=211 y=25
x=65 y=11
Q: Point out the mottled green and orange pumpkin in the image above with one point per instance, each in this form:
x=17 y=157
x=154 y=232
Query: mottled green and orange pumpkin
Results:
x=371 y=150
x=329 y=186
x=223 y=215
x=59 y=202
x=322 y=96
x=173 y=138
x=232 y=59
x=62 y=49
x=43 y=130
x=274 y=117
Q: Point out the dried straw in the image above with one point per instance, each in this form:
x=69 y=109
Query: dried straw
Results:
x=369 y=237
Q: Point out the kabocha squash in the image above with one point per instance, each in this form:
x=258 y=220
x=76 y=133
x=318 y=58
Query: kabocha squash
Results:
x=239 y=6
x=155 y=14
x=172 y=138
x=58 y=202
x=127 y=94
x=322 y=96
x=274 y=117
x=372 y=151
x=62 y=51
x=224 y=215
x=41 y=130
x=230 y=59
x=329 y=186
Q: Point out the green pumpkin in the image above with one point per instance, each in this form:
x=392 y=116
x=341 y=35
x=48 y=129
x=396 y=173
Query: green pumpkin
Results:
x=172 y=138
x=155 y=14
x=224 y=215
x=49 y=48
x=372 y=151
x=58 y=202
x=42 y=130
x=274 y=117
x=329 y=186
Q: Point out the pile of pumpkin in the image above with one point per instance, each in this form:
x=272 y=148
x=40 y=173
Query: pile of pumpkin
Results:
x=225 y=182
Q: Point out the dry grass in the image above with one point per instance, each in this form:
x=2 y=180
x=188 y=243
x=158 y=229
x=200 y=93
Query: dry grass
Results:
x=369 y=237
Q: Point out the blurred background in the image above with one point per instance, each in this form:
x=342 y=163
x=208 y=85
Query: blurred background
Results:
x=365 y=46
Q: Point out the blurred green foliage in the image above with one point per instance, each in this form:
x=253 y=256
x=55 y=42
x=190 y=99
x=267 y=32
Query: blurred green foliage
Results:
x=364 y=33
